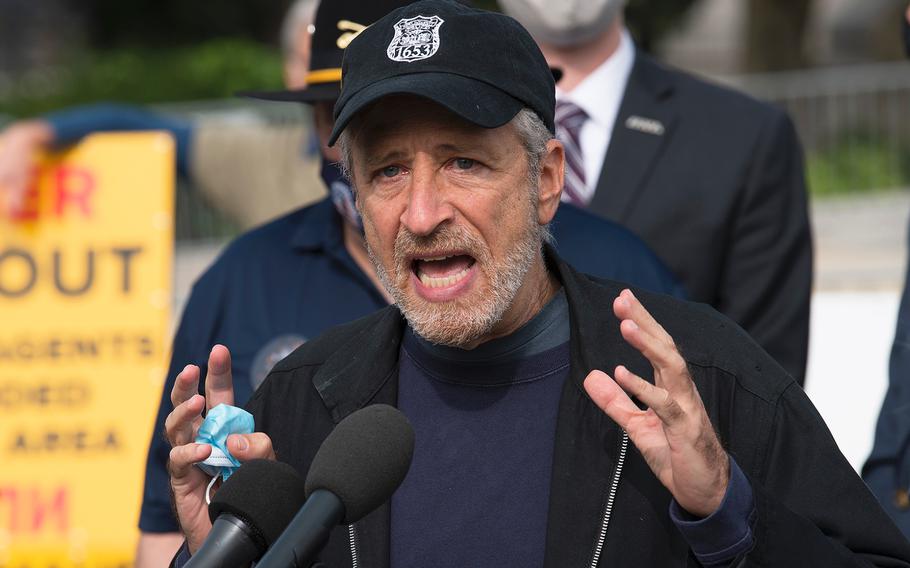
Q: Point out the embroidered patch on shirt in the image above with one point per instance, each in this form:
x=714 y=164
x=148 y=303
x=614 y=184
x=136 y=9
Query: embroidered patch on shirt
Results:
x=269 y=355
x=415 y=39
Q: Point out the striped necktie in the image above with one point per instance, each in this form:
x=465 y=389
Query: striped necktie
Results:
x=569 y=120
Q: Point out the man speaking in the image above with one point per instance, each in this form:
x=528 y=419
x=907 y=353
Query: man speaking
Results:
x=560 y=420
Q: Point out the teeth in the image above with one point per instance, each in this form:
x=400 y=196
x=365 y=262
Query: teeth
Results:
x=435 y=258
x=431 y=282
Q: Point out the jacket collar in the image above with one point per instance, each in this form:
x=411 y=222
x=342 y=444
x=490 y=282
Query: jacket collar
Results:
x=352 y=377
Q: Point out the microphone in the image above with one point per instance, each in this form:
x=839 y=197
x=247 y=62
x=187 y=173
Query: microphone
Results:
x=249 y=512
x=357 y=468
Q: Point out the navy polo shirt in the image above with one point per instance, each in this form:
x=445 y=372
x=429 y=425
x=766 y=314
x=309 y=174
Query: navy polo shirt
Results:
x=291 y=279
x=271 y=289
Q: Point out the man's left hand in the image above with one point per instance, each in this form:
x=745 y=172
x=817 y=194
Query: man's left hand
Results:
x=674 y=434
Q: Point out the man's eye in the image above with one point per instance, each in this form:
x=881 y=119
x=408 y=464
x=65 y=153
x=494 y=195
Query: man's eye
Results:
x=390 y=171
x=464 y=163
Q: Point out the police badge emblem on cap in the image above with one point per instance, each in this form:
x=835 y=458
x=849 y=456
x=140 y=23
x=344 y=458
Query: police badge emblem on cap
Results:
x=457 y=72
x=415 y=39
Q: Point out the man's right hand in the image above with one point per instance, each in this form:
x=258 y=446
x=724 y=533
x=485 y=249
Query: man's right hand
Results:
x=188 y=483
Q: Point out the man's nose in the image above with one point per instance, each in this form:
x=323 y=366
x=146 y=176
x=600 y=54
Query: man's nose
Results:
x=427 y=206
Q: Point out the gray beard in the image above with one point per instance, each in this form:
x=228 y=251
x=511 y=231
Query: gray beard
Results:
x=455 y=323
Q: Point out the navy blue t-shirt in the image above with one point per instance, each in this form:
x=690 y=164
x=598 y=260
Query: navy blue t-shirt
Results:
x=478 y=489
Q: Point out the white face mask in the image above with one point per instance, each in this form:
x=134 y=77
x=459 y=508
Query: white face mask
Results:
x=563 y=23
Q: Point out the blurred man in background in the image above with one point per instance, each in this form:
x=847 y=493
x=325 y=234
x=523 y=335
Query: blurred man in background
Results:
x=887 y=471
x=656 y=149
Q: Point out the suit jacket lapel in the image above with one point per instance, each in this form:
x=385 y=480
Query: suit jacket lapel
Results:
x=642 y=128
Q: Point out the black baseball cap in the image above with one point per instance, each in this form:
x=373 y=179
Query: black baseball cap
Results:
x=336 y=23
x=482 y=66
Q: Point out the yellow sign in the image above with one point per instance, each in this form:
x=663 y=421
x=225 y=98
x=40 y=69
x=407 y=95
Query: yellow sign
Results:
x=85 y=288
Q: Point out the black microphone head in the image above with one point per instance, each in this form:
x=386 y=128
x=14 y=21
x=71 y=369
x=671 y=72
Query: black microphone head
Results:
x=266 y=494
x=364 y=459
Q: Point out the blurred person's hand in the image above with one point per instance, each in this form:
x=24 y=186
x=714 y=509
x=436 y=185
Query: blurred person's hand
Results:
x=20 y=144
x=188 y=483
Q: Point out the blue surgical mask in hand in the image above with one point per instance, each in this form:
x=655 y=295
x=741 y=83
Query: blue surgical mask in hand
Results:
x=220 y=422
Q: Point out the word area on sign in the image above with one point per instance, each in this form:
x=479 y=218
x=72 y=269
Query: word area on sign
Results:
x=64 y=440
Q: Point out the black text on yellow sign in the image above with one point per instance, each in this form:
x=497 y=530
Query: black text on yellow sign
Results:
x=85 y=285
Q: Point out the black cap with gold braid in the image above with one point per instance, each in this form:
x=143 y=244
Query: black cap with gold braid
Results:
x=337 y=22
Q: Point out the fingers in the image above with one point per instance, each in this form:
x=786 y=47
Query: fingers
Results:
x=608 y=395
x=183 y=457
x=185 y=385
x=181 y=424
x=247 y=447
x=656 y=398
x=219 y=387
x=611 y=396
x=643 y=332
x=626 y=306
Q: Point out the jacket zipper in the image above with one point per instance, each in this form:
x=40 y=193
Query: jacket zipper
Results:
x=352 y=540
x=611 y=496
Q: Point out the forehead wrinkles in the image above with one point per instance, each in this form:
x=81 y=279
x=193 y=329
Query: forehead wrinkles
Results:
x=391 y=127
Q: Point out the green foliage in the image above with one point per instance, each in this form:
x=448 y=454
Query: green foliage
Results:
x=211 y=70
x=858 y=165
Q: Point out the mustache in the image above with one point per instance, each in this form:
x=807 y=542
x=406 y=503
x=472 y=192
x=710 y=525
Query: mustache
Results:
x=445 y=237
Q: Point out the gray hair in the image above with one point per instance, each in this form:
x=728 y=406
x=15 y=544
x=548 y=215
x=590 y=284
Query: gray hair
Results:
x=300 y=14
x=534 y=137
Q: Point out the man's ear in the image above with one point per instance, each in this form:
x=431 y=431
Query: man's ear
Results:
x=552 y=176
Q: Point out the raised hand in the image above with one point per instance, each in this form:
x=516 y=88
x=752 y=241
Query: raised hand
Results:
x=674 y=434
x=188 y=483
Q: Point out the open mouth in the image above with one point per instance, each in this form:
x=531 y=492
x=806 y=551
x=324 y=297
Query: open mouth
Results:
x=443 y=271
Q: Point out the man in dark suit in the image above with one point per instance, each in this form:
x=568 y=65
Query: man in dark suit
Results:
x=711 y=179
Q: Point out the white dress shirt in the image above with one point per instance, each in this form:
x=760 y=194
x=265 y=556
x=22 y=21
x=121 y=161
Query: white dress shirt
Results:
x=600 y=95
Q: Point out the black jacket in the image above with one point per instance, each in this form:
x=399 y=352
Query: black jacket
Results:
x=719 y=195
x=812 y=508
